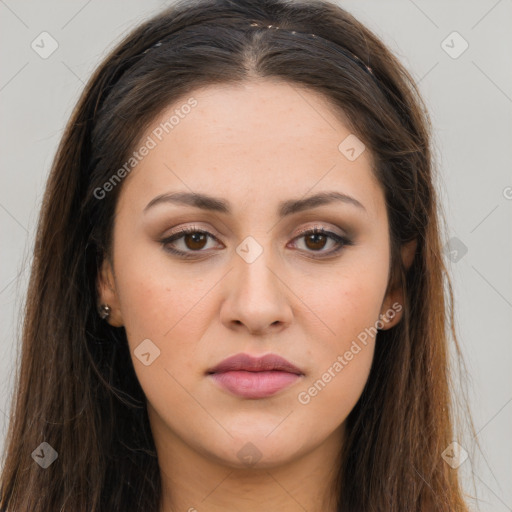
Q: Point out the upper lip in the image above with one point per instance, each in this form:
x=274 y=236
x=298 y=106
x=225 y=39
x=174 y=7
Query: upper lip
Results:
x=249 y=363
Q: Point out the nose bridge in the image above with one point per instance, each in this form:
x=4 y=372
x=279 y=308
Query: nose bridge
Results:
x=256 y=296
x=255 y=265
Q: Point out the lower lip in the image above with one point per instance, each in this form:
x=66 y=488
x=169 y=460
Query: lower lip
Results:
x=254 y=384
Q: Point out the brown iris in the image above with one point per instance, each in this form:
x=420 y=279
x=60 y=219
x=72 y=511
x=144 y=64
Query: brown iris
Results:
x=316 y=238
x=195 y=241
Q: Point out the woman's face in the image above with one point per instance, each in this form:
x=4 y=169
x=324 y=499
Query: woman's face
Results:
x=247 y=280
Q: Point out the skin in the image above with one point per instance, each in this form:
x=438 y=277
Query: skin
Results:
x=255 y=145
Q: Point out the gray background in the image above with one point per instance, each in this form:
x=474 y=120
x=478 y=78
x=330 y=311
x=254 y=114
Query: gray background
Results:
x=470 y=101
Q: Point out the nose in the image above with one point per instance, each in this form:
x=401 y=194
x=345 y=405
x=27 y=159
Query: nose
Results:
x=257 y=296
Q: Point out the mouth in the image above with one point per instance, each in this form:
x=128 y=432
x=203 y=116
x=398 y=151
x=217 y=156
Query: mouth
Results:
x=254 y=377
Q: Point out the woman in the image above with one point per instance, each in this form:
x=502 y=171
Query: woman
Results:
x=237 y=295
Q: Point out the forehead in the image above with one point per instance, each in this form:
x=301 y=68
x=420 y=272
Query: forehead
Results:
x=252 y=140
x=257 y=115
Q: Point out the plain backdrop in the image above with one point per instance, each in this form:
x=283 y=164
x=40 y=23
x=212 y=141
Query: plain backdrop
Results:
x=459 y=53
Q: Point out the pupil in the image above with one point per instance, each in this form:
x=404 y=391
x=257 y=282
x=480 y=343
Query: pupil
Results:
x=196 y=238
x=315 y=238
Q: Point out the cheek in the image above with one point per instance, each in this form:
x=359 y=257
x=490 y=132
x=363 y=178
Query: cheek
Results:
x=346 y=300
x=163 y=314
x=344 y=337
x=341 y=363
x=157 y=298
x=327 y=398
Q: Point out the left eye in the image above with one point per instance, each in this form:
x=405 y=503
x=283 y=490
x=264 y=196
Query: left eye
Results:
x=316 y=239
x=195 y=241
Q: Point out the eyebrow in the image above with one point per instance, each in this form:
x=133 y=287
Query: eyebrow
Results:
x=289 y=207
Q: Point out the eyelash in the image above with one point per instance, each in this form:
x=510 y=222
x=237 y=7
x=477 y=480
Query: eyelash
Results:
x=340 y=240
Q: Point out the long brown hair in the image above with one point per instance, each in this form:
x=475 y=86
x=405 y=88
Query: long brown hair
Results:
x=76 y=388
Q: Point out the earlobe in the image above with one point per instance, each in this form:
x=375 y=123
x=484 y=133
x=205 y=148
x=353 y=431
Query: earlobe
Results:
x=107 y=294
x=393 y=304
x=392 y=309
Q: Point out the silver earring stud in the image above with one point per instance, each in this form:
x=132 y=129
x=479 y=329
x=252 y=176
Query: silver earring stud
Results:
x=104 y=311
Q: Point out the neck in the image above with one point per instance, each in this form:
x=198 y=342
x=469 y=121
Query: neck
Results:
x=197 y=482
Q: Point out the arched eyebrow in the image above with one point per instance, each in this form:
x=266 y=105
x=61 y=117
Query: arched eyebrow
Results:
x=285 y=208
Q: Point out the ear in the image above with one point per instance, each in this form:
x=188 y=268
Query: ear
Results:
x=107 y=293
x=394 y=294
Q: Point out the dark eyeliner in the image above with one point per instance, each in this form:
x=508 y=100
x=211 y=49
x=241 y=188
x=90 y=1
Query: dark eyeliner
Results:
x=341 y=241
x=179 y=234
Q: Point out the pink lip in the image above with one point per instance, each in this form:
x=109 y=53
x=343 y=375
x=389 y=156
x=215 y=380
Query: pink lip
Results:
x=251 y=377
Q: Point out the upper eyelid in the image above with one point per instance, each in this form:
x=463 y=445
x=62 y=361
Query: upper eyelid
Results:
x=317 y=226
x=177 y=235
x=302 y=232
x=341 y=242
